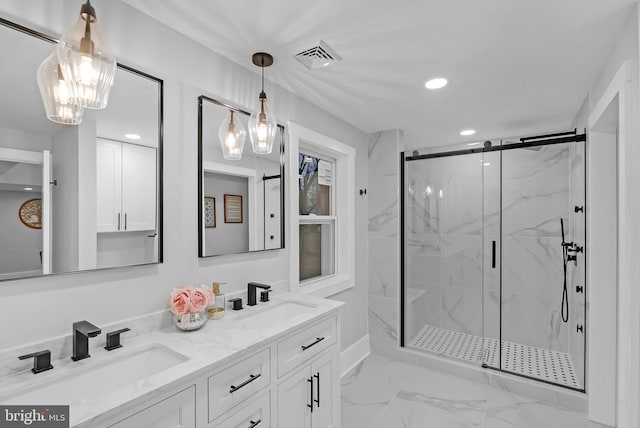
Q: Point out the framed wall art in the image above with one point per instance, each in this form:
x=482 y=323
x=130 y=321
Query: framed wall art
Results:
x=209 y=211
x=232 y=208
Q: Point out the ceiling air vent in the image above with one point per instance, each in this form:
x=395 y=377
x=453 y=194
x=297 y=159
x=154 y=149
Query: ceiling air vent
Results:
x=318 y=56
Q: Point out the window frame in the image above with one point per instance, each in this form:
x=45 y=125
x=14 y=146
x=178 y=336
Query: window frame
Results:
x=310 y=142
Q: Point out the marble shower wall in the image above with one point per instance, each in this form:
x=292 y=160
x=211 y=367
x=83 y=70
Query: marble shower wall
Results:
x=444 y=240
x=384 y=249
x=535 y=196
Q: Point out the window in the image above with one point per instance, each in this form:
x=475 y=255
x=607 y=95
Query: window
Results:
x=321 y=236
x=316 y=217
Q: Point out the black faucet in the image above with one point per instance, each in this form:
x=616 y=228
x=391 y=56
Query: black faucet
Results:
x=251 y=292
x=82 y=331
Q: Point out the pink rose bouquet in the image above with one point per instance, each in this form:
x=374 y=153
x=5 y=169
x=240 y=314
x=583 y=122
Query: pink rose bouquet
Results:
x=190 y=300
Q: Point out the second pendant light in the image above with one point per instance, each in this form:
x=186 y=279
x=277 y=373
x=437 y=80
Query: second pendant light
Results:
x=262 y=123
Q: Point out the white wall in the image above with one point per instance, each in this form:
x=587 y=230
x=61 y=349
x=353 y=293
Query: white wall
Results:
x=26 y=243
x=188 y=70
x=627 y=49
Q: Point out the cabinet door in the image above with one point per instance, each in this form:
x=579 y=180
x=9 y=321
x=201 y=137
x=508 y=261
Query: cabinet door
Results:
x=177 y=411
x=326 y=392
x=138 y=187
x=294 y=398
x=109 y=185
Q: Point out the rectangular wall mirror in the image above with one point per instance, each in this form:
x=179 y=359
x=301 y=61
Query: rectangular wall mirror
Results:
x=241 y=202
x=76 y=198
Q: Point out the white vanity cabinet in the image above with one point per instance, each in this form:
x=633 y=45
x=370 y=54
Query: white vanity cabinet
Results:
x=309 y=393
x=177 y=411
x=291 y=381
x=126 y=186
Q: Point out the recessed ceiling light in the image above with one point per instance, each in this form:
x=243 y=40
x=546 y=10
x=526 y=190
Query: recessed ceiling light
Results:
x=28 y=188
x=468 y=132
x=132 y=136
x=436 y=83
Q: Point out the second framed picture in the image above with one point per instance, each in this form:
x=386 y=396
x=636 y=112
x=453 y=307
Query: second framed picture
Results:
x=233 y=208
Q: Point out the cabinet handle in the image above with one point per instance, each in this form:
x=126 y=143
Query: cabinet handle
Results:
x=317 y=400
x=318 y=340
x=493 y=254
x=254 y=424
x=125 y=221
x=310 y=380
x=245 y=383
x=118 y=221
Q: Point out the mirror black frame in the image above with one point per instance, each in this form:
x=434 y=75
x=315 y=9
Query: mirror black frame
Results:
x=160 y=159
x=281 y=129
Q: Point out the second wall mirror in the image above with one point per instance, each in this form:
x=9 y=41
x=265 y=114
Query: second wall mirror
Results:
x=240 y=201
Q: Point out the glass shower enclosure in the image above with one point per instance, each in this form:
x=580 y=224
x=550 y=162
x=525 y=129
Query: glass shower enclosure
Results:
x=493 y=256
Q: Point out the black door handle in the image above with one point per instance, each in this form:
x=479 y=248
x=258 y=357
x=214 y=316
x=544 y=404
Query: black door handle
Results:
x=310 y=380
x=493 y=254
x=254 y=424
x=317 y=400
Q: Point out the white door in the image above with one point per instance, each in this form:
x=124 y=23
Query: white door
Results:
x=109 y=185
x=138 y=187
x=294 y=399
x=46 y=212
x=326 y=392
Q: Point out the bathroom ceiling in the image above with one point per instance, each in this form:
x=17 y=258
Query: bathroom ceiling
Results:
x=514 y=67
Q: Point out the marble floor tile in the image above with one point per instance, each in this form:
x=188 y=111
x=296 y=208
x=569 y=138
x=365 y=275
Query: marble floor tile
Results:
x=369 y=388
x=508 y=410
x=384 y=393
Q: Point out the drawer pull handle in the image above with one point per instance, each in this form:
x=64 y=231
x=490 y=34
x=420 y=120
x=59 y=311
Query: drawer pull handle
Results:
x=245 y=383
x=254 y=424
x=318 y=340
x=310 y=380
x=317 y=400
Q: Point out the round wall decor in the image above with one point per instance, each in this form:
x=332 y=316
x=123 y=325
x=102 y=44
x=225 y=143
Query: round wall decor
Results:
x=30 y=213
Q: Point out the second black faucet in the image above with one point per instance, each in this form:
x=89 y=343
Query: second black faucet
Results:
x=251 y=292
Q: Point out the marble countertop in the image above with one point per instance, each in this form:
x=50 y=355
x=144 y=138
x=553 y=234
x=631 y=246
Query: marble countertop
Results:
x=216 y=344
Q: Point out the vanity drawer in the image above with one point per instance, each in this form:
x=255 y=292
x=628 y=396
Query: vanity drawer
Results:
x=305 y=345
x=234 y=384
x=255 y=414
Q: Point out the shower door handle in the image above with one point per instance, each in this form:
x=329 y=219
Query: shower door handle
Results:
x=493 y=254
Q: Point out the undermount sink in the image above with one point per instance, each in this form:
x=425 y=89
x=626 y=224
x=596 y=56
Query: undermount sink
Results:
x=109 y=374
x=275 y=312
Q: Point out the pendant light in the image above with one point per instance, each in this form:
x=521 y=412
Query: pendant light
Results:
x=232 y=135
x=262 y=124
x=86 y=61
x=56 y=93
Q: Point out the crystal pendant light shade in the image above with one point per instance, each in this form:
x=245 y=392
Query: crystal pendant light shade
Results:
x=232 y=135
x=56 y=93
x=87 y=61
x=262 y=127
x=262 y=124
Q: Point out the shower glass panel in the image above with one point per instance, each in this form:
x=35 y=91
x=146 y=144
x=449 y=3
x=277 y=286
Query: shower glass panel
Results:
x=542 y=313
x=444 y=256
x=493 y=257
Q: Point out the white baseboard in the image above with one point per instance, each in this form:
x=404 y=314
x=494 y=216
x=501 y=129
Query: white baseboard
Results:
x=354 y=354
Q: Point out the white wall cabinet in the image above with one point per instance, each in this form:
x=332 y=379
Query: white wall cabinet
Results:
x=177 y=411
x=126 y=187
